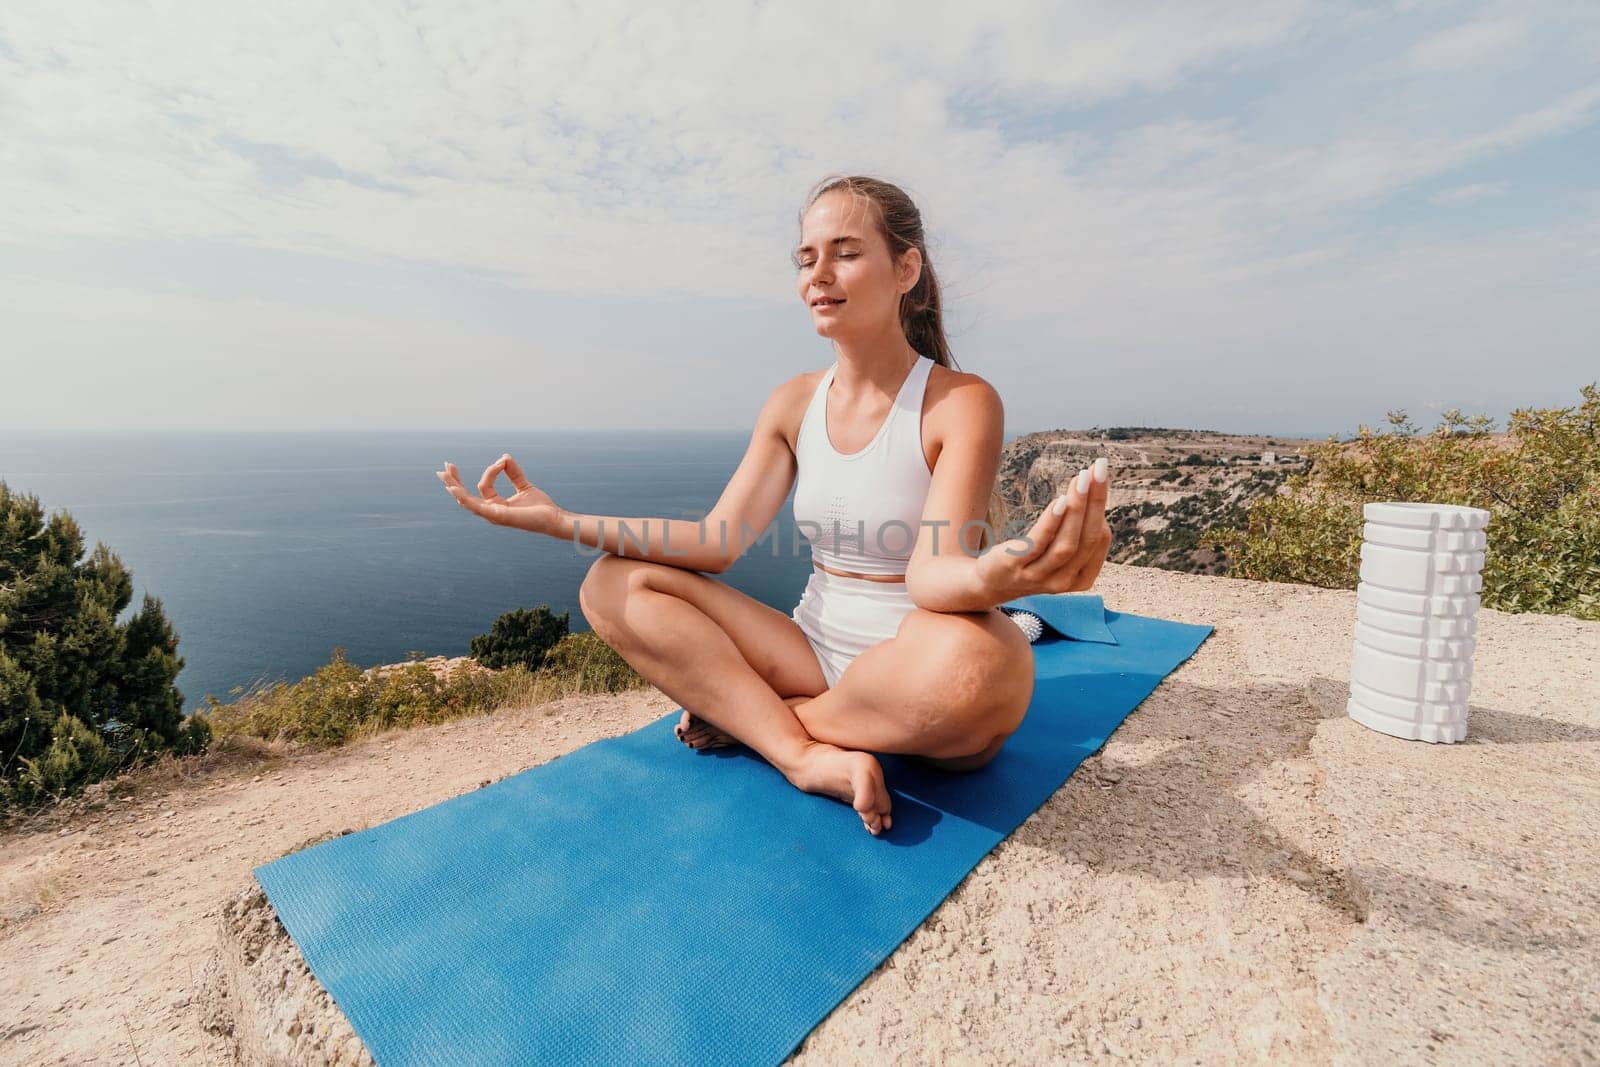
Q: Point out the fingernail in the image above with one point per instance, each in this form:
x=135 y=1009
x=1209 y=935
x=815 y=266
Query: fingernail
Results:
x=1060 y=505
x=1083 y=480
x=1101 y=468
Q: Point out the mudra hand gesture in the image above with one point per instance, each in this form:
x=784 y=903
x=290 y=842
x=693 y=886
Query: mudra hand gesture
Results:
x=1070 y=540
x=530 y=508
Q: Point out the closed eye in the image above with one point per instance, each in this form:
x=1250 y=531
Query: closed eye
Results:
x=844 y=255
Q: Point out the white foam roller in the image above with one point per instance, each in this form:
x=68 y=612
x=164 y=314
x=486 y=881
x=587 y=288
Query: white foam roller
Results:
x=1411 y=710
x=1391 y=599
x=1411 y=571
x=1419 y=647
x=1456 y=584
x=1416 y=603
x=1422 y=626
x=1447 y=692
x=1448 y=733
x=1396 y=568
x=1416 y=618
x=1458 y=562
x=1465 y=605
x=1426 y=516
x=1378 y=533
x=1404 y=676
x=1455 y=541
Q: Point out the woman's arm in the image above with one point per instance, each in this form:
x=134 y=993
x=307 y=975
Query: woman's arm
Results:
x=746 y=507
x=678 y=542
x=1061 y=552
x=940 y=576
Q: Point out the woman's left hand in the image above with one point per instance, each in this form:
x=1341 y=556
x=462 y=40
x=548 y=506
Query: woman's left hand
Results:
x=1067 y=548
x=529 y=508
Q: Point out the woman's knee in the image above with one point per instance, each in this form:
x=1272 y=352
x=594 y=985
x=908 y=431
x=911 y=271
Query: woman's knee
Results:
x=978 y=680
x=973 y=760
x=611 y=582
x=601 y=592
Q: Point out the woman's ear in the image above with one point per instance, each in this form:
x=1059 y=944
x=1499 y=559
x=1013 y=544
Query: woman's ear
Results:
x=910 y=269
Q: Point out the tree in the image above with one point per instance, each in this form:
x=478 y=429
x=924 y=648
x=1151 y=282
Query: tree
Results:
x=81 y=696
x=1540 y=483
x=522 y=636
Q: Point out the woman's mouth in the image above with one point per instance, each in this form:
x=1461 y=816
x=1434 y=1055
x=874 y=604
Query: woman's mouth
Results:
x=825 y=303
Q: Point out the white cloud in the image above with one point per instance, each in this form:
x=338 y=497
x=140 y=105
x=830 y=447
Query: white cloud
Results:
x=504 y=135
x=1471 y=194
x=1190 y=170
x=1460 y=46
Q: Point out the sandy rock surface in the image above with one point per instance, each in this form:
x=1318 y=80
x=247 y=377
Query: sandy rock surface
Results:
x=1241 y=874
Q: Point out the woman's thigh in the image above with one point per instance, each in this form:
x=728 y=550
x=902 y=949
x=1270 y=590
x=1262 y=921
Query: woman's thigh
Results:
x=768 y=639
x=945 y=685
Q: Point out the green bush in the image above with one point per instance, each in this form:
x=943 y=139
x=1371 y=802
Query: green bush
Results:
x=588 y=664
x=522 y=637
x=340 y=702
x=76 y=757
x=81 y=696
x=1541 y=485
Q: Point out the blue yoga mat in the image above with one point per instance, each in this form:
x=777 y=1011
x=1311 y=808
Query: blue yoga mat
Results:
x=637 y=902
x=1080 y=616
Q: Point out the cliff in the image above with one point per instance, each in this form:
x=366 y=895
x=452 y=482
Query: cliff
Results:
x=1167 y=486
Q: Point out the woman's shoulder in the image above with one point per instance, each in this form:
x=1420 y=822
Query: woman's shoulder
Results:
x=786 y=405
x=794 y=394
x=961 y=393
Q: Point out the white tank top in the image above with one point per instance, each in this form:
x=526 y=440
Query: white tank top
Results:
x=862 y=512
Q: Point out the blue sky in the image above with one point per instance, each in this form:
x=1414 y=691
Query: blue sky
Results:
x=1256 y=217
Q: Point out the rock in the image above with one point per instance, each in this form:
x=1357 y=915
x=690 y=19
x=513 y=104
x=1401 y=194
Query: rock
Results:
x=258 y=992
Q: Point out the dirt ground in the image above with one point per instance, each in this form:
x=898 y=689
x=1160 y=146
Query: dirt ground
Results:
x=1241 y=874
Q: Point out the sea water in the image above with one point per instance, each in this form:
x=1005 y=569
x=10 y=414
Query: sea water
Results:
x=269 y=549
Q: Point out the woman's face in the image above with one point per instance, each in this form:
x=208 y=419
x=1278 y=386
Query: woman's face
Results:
x=843 y=257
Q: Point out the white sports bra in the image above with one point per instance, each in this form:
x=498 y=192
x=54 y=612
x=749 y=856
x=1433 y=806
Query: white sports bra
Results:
x=862 y=512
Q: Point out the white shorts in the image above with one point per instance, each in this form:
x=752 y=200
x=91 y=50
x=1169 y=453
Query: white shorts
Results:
x=843 y=617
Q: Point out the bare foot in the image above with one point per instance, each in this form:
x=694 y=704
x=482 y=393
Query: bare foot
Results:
x=697 y=733
x=853 y=777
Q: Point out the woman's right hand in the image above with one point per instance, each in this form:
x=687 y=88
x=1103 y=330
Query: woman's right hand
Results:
x=1063 y=552
x=530 y=508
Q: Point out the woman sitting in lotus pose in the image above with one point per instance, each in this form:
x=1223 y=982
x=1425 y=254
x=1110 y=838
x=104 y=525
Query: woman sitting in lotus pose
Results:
x=898 y=643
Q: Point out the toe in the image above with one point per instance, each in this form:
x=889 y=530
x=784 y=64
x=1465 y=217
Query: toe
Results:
x=872 y=800
x=878 y=803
